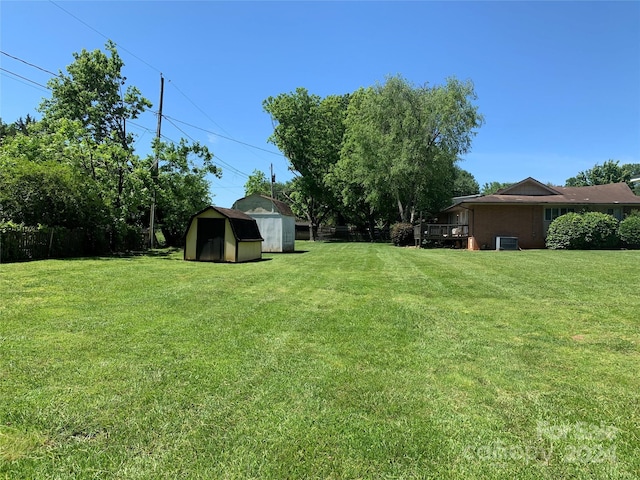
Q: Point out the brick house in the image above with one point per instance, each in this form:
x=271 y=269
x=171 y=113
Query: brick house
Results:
x=524 y=211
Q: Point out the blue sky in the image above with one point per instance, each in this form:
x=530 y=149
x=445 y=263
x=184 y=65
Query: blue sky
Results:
x=557 y=82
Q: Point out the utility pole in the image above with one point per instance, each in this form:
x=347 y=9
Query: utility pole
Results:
x=154 y=170
x=273 y=181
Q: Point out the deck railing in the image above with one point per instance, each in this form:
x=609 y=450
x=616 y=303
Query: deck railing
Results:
x=441 y=231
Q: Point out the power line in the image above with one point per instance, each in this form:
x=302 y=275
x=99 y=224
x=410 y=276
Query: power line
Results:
x=104 y=36
x=174 y=85
x=30 y=64
x=232 y=168
x=195 y=105
x=23 y=78
x=222 y=136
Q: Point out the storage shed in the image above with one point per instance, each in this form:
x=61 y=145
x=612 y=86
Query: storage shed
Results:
x=217 y=234
x=276 y=221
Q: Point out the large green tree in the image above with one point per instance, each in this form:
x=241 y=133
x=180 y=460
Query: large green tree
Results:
x=609 y=172
x=92 y=95
x=490 y=188
x=257 y=183
x=39 y=183
x=402 y=142
x=464 y=183
x=78 y=167
x=309 y=130
x=181 y=184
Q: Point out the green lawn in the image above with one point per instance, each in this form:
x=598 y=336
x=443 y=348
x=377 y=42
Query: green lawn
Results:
x=346 y=361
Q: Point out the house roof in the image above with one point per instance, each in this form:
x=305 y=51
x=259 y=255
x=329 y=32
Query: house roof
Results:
x=281 y=207
x=243 y=226
x=532 y=192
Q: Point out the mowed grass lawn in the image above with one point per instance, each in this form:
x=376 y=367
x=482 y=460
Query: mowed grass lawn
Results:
x=345 y=361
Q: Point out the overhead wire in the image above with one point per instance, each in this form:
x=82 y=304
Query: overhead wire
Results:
x=23 y=78
x=232 y=168
x=202 y=111
x=222 y=136
x=30 y=64
x=165 y=116
x=104 y=36
x=172 y=120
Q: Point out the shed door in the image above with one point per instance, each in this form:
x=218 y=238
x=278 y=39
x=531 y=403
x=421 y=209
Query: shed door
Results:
x=210 y=243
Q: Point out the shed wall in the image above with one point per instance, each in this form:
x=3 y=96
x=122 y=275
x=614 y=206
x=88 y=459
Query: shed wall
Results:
x=270 y=226
x=233 y=251
x=191 y=239
x=248 y=251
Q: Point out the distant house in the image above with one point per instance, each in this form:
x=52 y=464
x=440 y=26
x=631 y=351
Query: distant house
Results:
x=276 y=221
x=222 y=235
x=524 y=212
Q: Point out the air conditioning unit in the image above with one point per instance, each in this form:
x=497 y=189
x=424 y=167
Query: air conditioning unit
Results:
x=506 y=243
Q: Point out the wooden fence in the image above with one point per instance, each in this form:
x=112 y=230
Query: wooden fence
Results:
x=27 y=244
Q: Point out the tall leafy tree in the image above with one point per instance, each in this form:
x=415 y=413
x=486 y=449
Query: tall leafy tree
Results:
x=39 y=183
x=402 y=142
x=257 y=183
x=490 y=188
x=464 y=183
x=609 y=172
x=181 y=186
x=92 y=92
x=92 y=95
x=309 y=130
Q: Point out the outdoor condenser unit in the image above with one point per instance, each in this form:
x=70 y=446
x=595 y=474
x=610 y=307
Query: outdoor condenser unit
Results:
x=506 y=243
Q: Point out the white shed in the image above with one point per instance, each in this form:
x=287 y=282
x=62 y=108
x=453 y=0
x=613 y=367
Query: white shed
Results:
x=276 y=221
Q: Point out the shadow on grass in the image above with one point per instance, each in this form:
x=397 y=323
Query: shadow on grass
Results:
x=295 y=252
x=165 y=253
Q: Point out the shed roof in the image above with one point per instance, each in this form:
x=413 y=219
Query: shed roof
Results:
x=281 y=207
x=243 y=226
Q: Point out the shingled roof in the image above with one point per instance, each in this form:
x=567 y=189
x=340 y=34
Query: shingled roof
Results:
x=279 y=206
x=243 y=226
x=531 y=191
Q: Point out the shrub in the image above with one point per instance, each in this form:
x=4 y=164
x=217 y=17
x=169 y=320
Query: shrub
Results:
x=601 y=230
x=402 y=234
x=629 y=231
x=566 y=232
x=583 y=231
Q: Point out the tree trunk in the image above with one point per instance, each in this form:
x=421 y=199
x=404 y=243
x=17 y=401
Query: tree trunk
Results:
x=312 y=235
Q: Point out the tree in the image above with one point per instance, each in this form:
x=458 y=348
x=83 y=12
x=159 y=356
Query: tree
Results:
x=609 y=172
x=19 y=126
x=181 y=187
x=401 y=143
x=464 y=183
x=490 y=188
x=40 y=184
x=309 y=130
x=48 y=193
x=91 y=95
x=257 y=183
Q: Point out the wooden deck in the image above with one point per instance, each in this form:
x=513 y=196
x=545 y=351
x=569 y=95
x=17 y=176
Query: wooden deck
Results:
x=442 y=232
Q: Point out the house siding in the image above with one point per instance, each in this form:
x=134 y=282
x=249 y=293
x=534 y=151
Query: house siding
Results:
x=522 y=221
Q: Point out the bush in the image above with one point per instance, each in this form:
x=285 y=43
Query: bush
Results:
x=629 y=231
x=566 y=232
x=601 y=230
x=590 y=230
x=402 y=234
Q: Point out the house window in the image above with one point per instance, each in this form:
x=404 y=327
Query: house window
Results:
x=551 y=214
x=615 y=212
